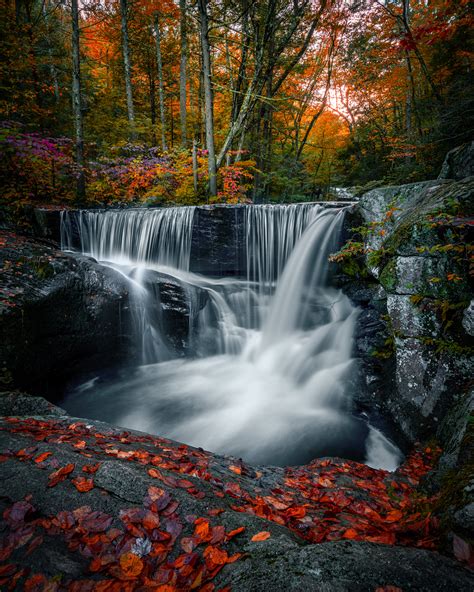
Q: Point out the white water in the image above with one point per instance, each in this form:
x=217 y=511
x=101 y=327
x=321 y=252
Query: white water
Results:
x=271 y=376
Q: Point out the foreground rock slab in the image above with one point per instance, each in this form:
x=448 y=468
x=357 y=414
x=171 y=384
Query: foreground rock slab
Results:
x=87 y=506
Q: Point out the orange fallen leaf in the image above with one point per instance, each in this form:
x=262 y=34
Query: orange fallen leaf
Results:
x=91 y=468
x=131 y=565
x=42 y=457
x=82 y=484
x=298 y=512
x=235 y=532
x=151 y=521
x=393 y=516
x=214 y=556
x=261 y=536
x=59 y=475
x=202 y=529
x=350 y=533
x=155 y=492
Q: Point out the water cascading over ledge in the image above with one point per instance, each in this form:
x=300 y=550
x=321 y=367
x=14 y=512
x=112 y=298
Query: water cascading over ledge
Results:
x=270 y=373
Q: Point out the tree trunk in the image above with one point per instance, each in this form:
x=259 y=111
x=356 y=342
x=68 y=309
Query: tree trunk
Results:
x=151 y=85
x=208 y=98
x=161 y=92
x=77 y=104
x=182 y=71
x=127 y=67
x=195 y=167
x=52 y=66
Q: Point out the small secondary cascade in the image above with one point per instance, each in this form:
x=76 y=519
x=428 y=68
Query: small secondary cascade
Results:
x=131 y=240
x=271 y=373
x=157 y=236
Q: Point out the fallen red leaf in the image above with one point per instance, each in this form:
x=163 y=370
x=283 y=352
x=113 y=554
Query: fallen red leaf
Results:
x=131 y=565
x=91 y=468
x=82 y=484
x=60 y=475
x=214 y=557
x=261 y=536
x=40 y=458
x=394 y=516
x=235 y=532
x=350 y=533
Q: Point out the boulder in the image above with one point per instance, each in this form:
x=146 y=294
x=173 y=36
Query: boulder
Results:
x=66 y=316
x=87 y=504
x=459 y=163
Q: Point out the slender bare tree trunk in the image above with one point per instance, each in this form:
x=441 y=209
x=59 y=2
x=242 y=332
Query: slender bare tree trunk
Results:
x=182 y=71
x=161 y=92
x=195 y=166
x=208 y=98
x=127 y=67
x=77 y=103
x=52 y=66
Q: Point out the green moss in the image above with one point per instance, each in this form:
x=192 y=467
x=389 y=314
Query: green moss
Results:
x=42 y=268
x=451 y=347
x=453 y=496
x=388 y=277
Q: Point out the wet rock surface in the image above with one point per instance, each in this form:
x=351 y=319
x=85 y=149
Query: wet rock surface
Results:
x=64 y=315
x=87 y=505
x=415 y=249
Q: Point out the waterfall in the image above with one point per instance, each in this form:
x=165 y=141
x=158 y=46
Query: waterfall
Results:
x=133 y=242
x=271 y=234
x=158 y=236
x=270 y=376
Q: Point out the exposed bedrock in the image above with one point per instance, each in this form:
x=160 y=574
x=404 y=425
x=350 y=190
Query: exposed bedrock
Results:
x=78 y=525
x=415 y=290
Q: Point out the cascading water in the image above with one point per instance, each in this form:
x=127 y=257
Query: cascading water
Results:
x=271 y=377
x=132 y=241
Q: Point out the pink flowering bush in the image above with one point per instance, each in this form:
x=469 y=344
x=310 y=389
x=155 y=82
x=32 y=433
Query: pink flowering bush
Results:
x=33 y=167
x=37 y=169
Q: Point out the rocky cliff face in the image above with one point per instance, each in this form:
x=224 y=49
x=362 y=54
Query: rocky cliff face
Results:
x=415 y=242
x=409 y=267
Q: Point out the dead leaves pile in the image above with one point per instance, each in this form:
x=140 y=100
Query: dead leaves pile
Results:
x=155 y=547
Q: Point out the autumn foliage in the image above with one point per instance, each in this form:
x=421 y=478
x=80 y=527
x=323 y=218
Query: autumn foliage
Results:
x=351 y=93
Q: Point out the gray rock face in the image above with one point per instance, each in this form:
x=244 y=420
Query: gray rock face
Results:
x=411 y=320
x=218 y=242
x=23 y=404
x=410 y=230
x=465 y=517
x=468 y=319
x=459 y=163
x=277 y=566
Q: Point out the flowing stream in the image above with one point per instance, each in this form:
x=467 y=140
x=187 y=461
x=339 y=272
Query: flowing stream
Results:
x=269 y=375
